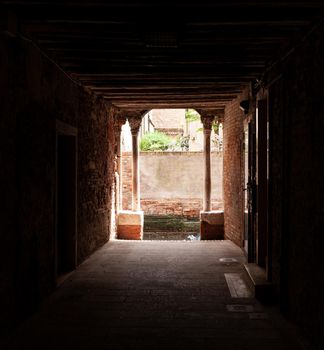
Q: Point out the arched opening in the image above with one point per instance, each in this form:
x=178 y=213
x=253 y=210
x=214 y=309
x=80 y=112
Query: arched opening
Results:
x=172 y=179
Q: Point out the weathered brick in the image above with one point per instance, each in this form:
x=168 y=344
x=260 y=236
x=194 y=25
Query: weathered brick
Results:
x=233 y=171
x=38 y=93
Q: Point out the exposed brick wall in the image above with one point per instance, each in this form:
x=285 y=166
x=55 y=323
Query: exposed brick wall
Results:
x=34 y=93
x=297 y=188
x=172 y=205
x=233 y=171
x=96 y=175
x=189 y=208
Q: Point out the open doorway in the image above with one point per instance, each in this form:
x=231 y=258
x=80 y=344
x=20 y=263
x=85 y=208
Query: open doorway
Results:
x=256 y=178
x=66 y=228
x=172 y=172
x=249 y=188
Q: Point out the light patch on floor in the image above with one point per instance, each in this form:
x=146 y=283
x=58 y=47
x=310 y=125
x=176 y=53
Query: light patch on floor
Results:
x=227 y=260
x=237 y=286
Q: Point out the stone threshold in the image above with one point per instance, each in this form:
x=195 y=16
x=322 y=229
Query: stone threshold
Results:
x=261 y=288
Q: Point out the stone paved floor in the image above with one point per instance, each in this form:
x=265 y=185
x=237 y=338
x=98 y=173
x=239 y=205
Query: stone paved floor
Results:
x=155 y=295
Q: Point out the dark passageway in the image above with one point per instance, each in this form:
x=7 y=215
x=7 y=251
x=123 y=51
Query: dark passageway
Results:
x=72 y=73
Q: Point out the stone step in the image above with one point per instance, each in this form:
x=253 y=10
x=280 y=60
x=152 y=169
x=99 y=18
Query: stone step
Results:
x=257 y=280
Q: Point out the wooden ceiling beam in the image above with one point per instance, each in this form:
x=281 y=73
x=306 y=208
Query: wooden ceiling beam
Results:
x=159 y=3
x=163 y=96
x=201 y=89
x=178 y=71
x=172 y=64
x=112 y=28
x=133 y=78
x=198 y=54
x=138 y=85
x=61 y=12
x=183 y=98
x=169 y=104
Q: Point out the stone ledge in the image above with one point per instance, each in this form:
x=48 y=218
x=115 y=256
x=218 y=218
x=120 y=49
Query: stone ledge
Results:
x=257 y=280
x=129 y=217
x=130 y=225
x=213 y=217
x=212 y=225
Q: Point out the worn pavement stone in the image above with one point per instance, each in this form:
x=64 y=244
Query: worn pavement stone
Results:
x=154 y=295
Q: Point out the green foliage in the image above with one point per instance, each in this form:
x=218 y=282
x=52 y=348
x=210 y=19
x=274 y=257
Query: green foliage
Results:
x=215 y=127
x=155 y=141
x=183 y=142
x=191 y=115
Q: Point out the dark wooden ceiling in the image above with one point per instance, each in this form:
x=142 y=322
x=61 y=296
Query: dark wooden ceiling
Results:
x=141 y=55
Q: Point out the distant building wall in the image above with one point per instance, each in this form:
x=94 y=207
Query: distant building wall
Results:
x=172 y=182
x=173 y=123
x=168 y=118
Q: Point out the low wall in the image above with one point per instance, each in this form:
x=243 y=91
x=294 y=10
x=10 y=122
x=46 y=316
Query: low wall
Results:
x=172 y=182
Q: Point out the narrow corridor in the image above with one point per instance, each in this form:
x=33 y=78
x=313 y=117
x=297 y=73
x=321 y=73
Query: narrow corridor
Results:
x=155 y=295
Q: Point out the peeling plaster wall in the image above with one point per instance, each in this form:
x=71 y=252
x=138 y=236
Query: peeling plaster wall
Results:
x=172 y=182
